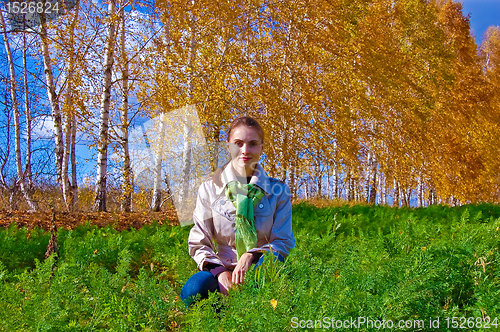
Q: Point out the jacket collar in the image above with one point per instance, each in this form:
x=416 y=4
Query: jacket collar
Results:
x=259 y=177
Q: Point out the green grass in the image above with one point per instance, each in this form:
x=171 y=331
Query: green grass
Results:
x=369 y=262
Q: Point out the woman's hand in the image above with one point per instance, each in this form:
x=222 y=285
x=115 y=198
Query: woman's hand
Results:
x=242 y=267
x=224 y=279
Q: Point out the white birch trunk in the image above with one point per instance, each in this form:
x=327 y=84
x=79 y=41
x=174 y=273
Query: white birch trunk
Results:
x=381 y=189
x=350 y=185
x=396 y=194
x=69 y=114
x=366 y=177
x=307 y=189
x=336 y=180
x=406 y=193
x=372 y=198
x=383 y=192
x=67 y=139
x=27 y=168
x=328 y=181
x=420 y=201
x=72 y=145
x=186 y=158
x=347 y=182
x=160 y=146
x=156 y=204
x=74 y=182
x=284 y=161
x=293 y=179
x=17 y=126
x=319 y=176
x=373 y=189
x=432 y=196
x=357 y=189
x=102 y=156
x=53 y=99
x=187 y=149
x=215 y=148
x=126 y=199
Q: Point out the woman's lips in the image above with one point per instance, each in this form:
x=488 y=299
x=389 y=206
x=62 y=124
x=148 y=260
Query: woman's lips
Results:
x=246 y=158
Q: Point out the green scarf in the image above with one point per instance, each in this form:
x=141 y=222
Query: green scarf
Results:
x=244 y=198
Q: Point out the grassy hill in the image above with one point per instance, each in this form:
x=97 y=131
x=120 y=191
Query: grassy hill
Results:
x=360 y=267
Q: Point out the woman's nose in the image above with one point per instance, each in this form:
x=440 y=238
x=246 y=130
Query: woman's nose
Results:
x=244 y=148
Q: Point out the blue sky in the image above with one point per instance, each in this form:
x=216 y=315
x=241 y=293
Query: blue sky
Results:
x=483 y=13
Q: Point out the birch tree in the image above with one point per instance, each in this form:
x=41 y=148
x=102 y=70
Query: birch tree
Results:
x=27 y=108
x=70 y=188
x=159 y=152
x=187 y=149
x=102 y=156
x=21 y=180
x=53 y=98
x=126 y=198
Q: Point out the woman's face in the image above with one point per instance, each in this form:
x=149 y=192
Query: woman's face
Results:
x=245 y=147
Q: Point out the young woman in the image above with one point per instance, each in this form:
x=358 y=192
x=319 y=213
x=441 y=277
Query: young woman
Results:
x=240 y=213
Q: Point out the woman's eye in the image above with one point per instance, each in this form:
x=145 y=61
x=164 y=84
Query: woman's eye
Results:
x=240 y=144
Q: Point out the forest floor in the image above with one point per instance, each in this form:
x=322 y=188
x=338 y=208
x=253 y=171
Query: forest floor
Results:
x=119 y=220
x=69 y=220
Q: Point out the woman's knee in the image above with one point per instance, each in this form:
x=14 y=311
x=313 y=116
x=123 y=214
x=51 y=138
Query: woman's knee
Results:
x=201 y=283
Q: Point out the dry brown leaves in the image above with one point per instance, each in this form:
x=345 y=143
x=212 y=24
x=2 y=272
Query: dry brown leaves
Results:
x=70 y=220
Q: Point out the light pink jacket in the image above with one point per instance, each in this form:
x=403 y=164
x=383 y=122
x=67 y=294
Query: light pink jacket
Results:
x=211 y=239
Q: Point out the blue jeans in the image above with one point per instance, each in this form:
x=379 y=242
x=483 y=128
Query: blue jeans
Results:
x=199 y=283
x=203 y=282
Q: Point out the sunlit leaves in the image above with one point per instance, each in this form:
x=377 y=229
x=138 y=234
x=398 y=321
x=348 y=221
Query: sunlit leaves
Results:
x=337 y=83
